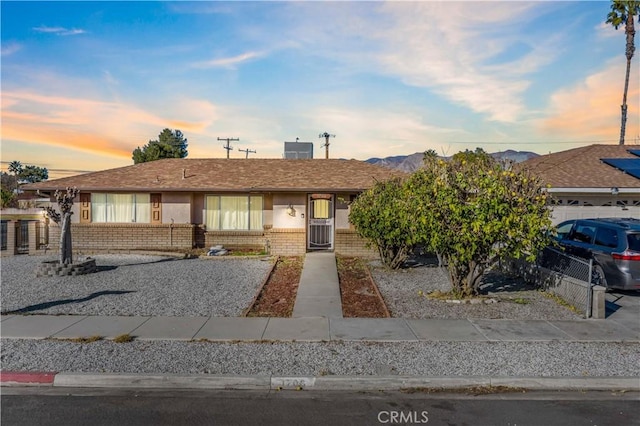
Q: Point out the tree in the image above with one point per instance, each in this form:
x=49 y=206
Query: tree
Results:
x=623 y=12
x=8 y=198
x=65 y=203
x=33 y=174
x=170 y=144
x=7 y=181
x=474 y=212
x=15 y=167
x=380 y=215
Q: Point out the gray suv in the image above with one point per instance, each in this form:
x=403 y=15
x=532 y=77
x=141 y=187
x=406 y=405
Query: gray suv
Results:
x=614 y=245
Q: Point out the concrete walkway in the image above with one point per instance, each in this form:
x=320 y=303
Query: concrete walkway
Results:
x=319 y=290
x=312 y=329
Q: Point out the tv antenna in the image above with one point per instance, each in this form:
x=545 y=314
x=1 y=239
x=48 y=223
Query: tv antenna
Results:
x=227 y=146
x=246 y=151
x=326 y=137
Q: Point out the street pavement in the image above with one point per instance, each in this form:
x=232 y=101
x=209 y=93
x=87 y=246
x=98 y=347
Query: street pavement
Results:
x=79 y=407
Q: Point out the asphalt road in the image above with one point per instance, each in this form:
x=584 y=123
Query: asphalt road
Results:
x=96 y=407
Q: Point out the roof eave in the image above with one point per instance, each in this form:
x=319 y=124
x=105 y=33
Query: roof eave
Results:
x=212 y=188
x=609 y=190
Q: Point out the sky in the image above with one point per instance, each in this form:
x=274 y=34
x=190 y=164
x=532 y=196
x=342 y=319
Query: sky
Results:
x=85 y=83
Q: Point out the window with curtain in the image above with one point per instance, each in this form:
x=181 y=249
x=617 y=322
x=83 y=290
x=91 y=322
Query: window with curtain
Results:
x=321 y=209
x=237 y=213
x=120 y=208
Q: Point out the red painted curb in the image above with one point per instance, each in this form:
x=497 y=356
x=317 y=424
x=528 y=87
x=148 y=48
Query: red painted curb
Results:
x=27 y=377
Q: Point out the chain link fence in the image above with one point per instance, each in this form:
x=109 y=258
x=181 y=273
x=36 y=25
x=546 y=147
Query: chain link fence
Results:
x=559 y=273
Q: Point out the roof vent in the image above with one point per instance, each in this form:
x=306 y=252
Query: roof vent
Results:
x=184 y=173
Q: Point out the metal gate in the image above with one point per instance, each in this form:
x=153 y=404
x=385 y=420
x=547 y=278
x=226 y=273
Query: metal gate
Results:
x=321 y=219
x=4 y=234
x=22 y=237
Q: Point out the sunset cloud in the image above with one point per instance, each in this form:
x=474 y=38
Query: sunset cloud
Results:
x=591 y=108
x=111 y=128
x=384 y=131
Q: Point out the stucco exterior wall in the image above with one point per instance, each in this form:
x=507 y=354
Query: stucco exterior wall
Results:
x=281 y=219
x=197 y=208
x=176 y=207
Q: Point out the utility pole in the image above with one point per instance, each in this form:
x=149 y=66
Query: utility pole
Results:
x=227 y=146
x=326 y=137
x=247 y=151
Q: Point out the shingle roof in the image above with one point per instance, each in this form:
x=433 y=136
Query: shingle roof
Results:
x=241 y=175
x=583 y=168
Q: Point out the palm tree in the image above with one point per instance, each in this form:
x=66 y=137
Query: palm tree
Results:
x=623 y=11
x=15 y=167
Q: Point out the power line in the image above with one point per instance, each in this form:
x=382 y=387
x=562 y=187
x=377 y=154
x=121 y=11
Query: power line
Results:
x=247 y=151
x=326 y=137
x=227 y=146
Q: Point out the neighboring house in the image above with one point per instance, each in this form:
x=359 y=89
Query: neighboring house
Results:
x=586 y=183
x=286 y=206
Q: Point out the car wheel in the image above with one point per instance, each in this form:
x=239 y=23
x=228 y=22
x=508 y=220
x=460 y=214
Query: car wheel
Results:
x=598 y=276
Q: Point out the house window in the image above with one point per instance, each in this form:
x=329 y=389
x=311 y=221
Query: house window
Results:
x=234 y=213
x=321 y=209
x=120 y=208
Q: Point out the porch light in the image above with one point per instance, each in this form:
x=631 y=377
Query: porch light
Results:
x=290 y=210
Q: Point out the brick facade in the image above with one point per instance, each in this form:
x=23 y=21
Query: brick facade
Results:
x=287 y=242
x=97 y=237
x=239 y=240
x=349 y=243
x=91 y=237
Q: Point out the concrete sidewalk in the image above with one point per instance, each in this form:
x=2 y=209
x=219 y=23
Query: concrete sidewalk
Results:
x=312 y=329
x=319 y=289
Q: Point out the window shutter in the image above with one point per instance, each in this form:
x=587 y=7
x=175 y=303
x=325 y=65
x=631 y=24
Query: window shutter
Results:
x=156 y=208
x=85 y=207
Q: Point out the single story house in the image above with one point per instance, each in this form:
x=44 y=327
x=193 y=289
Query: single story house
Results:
x=591 y=182
x=285 y=206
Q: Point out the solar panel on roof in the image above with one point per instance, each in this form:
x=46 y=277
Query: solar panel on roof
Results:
x=634 y=152
x=630 y=166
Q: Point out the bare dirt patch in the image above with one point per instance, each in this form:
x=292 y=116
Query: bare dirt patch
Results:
x=279 y=292
x=360 y=296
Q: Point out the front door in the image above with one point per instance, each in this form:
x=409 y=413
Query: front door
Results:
x=320 y=222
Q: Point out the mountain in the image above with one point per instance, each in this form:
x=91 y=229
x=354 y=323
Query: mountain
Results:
x=515 y=156
x=406 y=163
x=411 y=163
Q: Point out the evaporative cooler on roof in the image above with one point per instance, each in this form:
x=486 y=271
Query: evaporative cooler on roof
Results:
x=298 y=150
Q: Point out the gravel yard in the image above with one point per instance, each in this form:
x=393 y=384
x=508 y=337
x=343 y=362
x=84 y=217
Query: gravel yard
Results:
x=328 y=358
x=402 y=291
x=135 y=285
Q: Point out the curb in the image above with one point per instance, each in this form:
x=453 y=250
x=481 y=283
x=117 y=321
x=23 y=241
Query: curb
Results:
x=320 y=383
x=27 y=378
